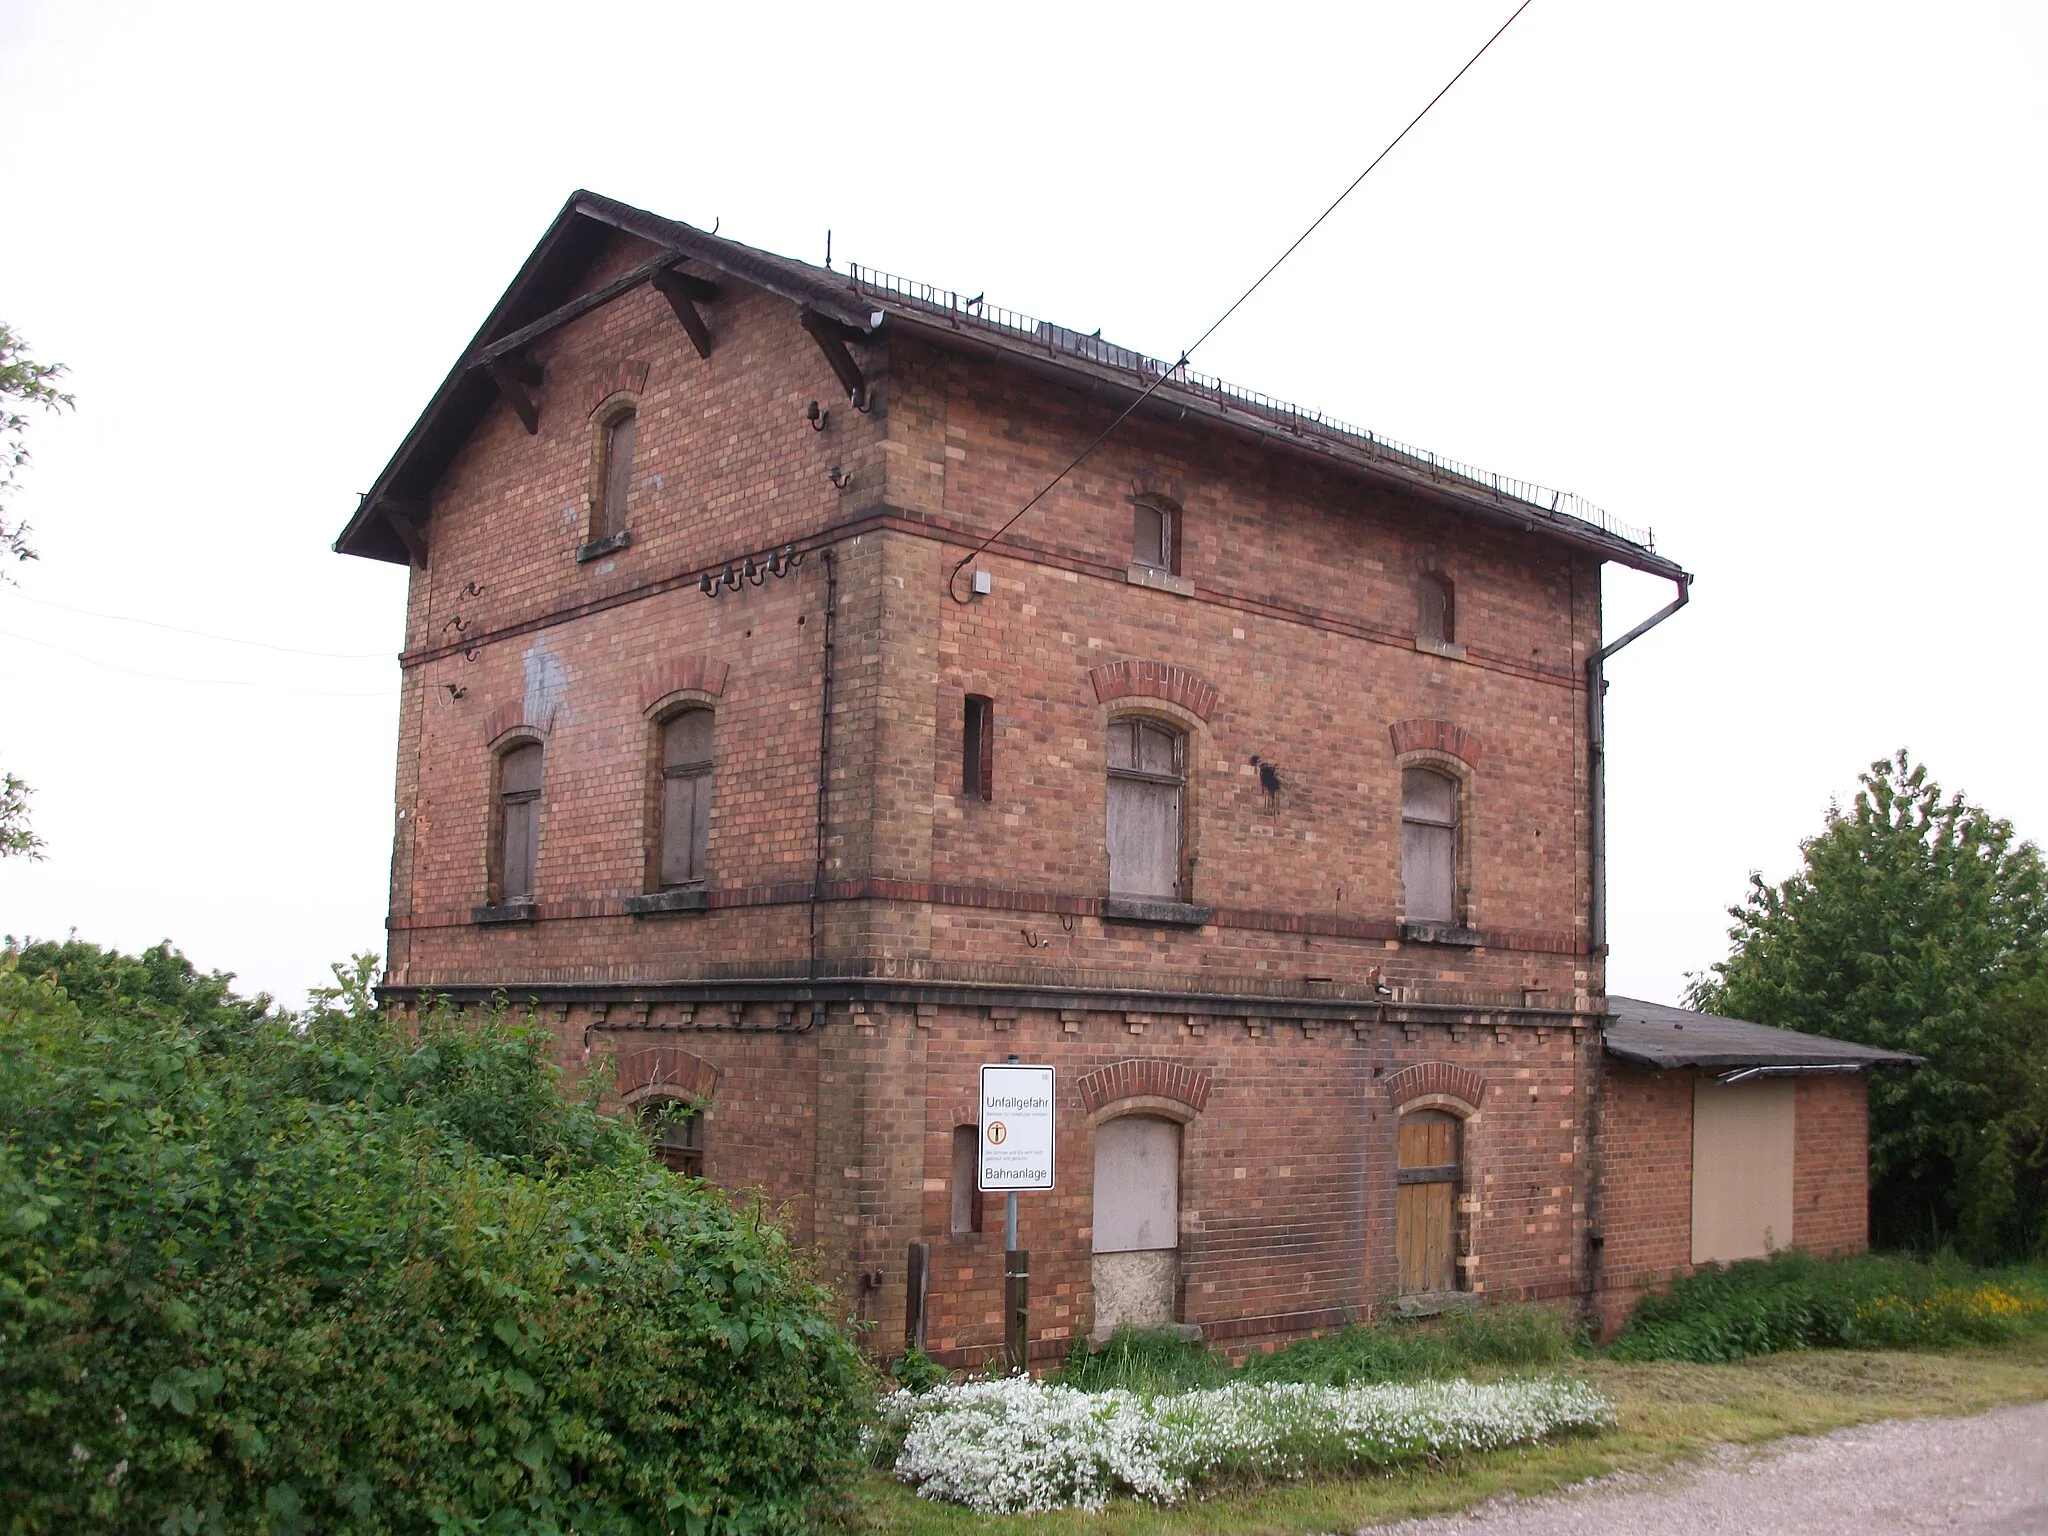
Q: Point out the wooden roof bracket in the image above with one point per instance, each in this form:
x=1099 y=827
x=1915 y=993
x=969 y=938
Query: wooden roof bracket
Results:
x=832 y=336
x=514 y=375
x=684 y=293
x=409 y=522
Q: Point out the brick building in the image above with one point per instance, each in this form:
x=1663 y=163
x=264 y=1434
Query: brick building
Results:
x=1250 y=780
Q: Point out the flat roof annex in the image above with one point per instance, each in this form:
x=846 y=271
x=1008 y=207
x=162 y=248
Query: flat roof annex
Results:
x=1654 y=1035
x=549 y=280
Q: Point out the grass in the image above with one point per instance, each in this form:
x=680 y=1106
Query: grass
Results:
x=1669 y=1410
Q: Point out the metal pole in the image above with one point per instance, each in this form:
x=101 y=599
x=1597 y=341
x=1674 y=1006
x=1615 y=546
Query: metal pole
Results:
x=1010 y=1222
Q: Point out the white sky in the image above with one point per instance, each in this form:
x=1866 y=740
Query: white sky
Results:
x=1767 y=277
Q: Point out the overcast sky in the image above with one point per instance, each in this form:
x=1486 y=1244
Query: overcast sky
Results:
x=1765 y=277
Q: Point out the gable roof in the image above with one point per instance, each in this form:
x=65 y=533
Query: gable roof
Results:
x=1654 y=1035
x=870 y=304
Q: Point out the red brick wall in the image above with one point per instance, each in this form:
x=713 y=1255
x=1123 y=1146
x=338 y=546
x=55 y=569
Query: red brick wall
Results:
x=1831 y=1165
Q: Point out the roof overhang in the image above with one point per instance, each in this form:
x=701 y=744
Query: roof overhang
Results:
x=1666 y=1038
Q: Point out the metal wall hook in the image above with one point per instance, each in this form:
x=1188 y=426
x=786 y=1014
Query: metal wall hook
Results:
x=817 y=418
x=839 y=477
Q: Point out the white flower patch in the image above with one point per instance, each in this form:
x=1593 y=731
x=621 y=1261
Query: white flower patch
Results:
x=1017 y=1444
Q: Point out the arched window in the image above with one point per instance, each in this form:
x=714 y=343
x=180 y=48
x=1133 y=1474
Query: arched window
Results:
x=686 y=772
x=677 y=1131
x=519 y=770
x=1438 y=618
x=1429 y=845
x=1147 y=773
x=619 y=436
x=1426 y=1199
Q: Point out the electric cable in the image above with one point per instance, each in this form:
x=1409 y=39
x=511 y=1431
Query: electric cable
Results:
x=209 y=682
x=176 y=629
x=1189 y=351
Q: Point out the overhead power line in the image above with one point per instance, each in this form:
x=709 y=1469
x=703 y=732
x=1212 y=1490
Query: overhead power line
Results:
x=176 y=629
x=1189 y=351
x=209 y=682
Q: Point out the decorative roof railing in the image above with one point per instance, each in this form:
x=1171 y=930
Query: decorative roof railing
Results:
x=977 y=313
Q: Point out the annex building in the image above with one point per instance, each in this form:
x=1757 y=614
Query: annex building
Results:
x=1252 y=780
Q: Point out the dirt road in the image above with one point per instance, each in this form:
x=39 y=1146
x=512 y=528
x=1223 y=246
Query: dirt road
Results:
x=1986 y=1476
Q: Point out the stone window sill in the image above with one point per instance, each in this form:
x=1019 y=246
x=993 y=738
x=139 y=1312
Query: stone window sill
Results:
x=1441 y=933
x=506 y=912
x=1150 y=909
x=610 y=544
x=668 y=901
x=1163 y=581
x=1440 y=648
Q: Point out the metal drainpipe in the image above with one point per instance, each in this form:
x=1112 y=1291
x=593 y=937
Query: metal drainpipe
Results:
x=824 y=748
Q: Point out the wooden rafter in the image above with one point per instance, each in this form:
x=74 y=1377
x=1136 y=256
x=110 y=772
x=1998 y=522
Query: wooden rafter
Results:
x=409 y=521
x=513 y=375
x=554 y=319
x=832 y=337
x=684 y=293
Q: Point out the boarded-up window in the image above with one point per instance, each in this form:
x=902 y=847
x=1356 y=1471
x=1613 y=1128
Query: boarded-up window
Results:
x=518 y=821
x=1438 y=620
x=1137 y=1184
x=1425 y=1203
x=1146 y=777
x=1741 y=1169
x=1153 y=541
x=1429 y=845
x=978 y=749
x=677 y=1134
x=619 y=439
x=966 y=1213
x=686 y=772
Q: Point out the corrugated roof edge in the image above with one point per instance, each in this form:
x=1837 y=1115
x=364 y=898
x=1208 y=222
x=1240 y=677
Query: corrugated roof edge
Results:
x=1656 y=1035
x=545 y=279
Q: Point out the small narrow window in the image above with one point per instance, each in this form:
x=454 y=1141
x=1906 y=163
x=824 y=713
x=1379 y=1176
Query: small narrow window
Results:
x=518 y=821
x=1429 y=845
x=966 y=1212
x=619 y=438
x=1146 y=777
x=1438 y=620
x=978 y=749
x=678 y=1136
x=1155 y=540
x=686 y=775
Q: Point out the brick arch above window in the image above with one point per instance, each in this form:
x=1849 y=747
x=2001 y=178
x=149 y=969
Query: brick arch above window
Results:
x=666 y=1069
x=1436 y=736
x=682 y=674
x=1438 y=1080
x=515 y=716
x=627 y=376
x=1144 y=1078
x=1155 y=680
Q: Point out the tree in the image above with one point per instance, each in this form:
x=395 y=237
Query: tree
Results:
x=24 y=382
x=1918 y=923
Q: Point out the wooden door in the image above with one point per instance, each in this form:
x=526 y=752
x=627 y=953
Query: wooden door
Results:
x=1425 y=1230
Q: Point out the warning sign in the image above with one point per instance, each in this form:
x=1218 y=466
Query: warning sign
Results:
x=1016 y=1128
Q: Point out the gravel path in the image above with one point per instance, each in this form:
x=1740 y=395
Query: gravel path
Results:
x=1986 y=1475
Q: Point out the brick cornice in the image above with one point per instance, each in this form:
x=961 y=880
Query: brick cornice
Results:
x=1154 y=680
x=1436 y=736
x=701 y=674
x=1427 y=1077
x=1144 y=1077
x=670 y=1067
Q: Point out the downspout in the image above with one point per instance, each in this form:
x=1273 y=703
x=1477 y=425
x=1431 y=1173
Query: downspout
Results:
x=1595 y=1228
x=824 y=748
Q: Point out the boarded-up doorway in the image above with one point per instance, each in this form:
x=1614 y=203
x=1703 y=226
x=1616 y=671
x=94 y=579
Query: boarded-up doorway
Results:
x=1137 y=1222
x=1425 y=1202
x=1741 y=1169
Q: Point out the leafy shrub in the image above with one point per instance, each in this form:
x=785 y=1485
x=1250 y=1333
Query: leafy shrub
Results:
x=1018 y=1444
x=265 y=1273
x=1412 y=1349
x=1789 y=1301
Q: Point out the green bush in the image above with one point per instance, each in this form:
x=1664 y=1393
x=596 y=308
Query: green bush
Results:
x=265 y=1273
x=1876 y=1301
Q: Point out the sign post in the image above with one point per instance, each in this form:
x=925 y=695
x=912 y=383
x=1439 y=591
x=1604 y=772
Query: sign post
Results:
x=1016 y=1154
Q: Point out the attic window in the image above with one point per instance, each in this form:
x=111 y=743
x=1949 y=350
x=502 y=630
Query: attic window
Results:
x=1438 y=617
x=619 y=438
x=1155 y=541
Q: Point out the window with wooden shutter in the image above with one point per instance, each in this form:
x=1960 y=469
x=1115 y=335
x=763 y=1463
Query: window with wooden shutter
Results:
x=965 y=1217
x=686 y=775
x=978 y=749
x=1153 y=536
x=1438 y=618
x=1429 y=845
x=1147 y=775
x=678 y=1136
x=518 y=821
x=619 y=438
